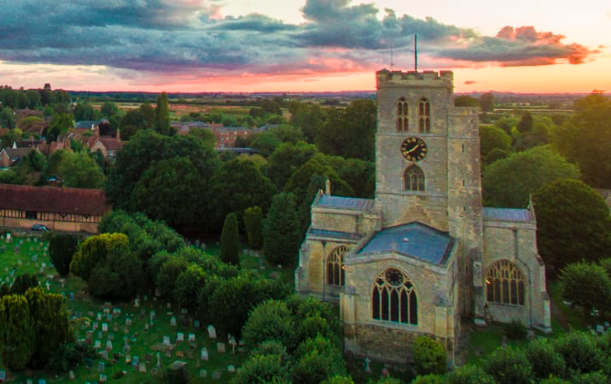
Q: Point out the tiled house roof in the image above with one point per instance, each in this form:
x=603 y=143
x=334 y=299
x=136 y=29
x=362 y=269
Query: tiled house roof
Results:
x=56 y=200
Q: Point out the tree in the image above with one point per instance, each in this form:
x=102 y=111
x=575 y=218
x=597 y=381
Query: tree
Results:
x=486 y=102
x=526 y=123
x=35 y=161
x=263 y=369
x=586 y=286
x=109 y=109
x=429 y=356
x=7 y=118
x=62 y=248
x=281 y=231
x=573 y=223
x=230 y=240
x=119 y=276
x=496 y=154
x=189 y=281
x=286 y=159
x=51 y=324
x=509 y=365
x=79 y=170
x=506 y=123
x=17 y=332
x=545 y=359
x=580 y=352
x=238 y=185
x=253 y=223
x=469 y=374
x=22 y=283
x=466 y=101
x=317 y=360
x=270 y=320
x=168 y=274
x=509 y=182
x=585 y=138
x=85 y=112
x=59 y=124
x=161 y=123
x=266 y=143
x=309 y=117
x=492 y=138
x=95 y=250
x=288 y=133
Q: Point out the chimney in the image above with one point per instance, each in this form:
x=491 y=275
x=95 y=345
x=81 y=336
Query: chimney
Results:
x=328 y=187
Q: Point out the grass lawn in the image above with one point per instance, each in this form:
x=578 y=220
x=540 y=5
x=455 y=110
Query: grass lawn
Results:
x=142 y=342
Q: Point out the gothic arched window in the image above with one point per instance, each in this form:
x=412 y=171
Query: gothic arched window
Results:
x=424 y=115
x=394 y=298
x=505 y=283
x=335 y=266
x=402 y=115
x=413 y=178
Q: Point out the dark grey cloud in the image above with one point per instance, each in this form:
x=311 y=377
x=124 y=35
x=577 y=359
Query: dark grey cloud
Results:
x=188 y=35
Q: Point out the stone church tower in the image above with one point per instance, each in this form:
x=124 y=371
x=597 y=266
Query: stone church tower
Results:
x=424 y=252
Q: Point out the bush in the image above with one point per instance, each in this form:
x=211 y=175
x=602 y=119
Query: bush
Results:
x=429 y=379
x=515 y=330
x=546 y=361
x=168 y=274
x=429 y=356
x=469 y=374
x=230 y=240
x=22 y=283
x=176 y=376
x=69 y=356
x=580 y=352
x=590 y=378
x=554 y=380
x=587 y=286
x=253 y=222
x=509 y=366
x=270 y=320
x=339 y=380
x=61 y=249
x=17 y=332
x=263 y=369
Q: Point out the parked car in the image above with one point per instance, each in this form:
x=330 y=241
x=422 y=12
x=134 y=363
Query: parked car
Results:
x=39 y=227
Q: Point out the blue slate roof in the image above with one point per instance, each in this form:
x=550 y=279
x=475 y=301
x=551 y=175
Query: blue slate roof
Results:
x=507 y=214
x=349 y=203
x=334 y=234
x=413 y=240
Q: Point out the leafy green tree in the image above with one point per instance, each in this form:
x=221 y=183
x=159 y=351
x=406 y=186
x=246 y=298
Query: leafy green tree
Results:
x=22 y=283
x=526 y=123
x=270 y=320
x=85 y=112
x=509 y=182
x=266 y=143
x=168 y=274
x=544 y=358
x=35 y=161
x=288 y=133
x=7 y=118
x=239 y=185
x=287 y=158
x=466 y=101
x=317 y=360
x=205 y=135
x=230 y=240
x=509 y=365
x=506 y=123
x=119 y=277
x=263 y=369
x=429 y=379
x=17 y=332
x=79 y=170
x=309 y=117
x=580 y=352
x=62 y=248
x=486 y=102
x=606 y=264
x=469 y=374
x=429 y=356
x=109 y=109
x=496 y=154
x=587 y=286
x=585 y=138
x=161 y=123
x=282 y=231
x=59 y=124
x=94 y=250
x=559 y=207
x=187 y=282
x=492 y=138
x=51 y=324
x=253 y=222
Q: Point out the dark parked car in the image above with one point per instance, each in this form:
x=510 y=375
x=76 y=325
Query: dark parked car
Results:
x=39 y=227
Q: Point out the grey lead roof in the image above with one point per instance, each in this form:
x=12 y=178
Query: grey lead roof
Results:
x=349 y=203
x=413 y=240
x=507 y=214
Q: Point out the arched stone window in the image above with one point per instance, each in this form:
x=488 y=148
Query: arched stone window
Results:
x=424 y=115
x=402 y=115
x=335 y=266
x=505 y=284
x=413 y=178
x=394 y=298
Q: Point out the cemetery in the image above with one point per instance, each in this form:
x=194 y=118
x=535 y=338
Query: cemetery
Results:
x=134 y=340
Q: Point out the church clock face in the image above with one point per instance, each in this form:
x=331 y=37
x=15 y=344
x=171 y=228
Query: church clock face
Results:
x=413 y=149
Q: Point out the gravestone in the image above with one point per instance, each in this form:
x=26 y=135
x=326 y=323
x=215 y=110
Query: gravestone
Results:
x=104 y=327
x=220 y=347
x=203 y=373
x=211 y=332
x=600 y=328
x=180 y=337
x=109 y=345
x=184 y=311
x=152 y=315
x=128 y=322
x=142 y=367
x=104 y=354
x=158 y=359
x=146 y=326
x=137 y=303
x=71 y=375
x=204 y=354
x=166 y=341
x=128 y=359
x=109 y=317
x=231 y=368
x=97 y=344
x=98 y=316
x=196 y=324
x=173 y=321
x=101 y=366
x=216 y=375
x=191 y=337
x=95 y=325
x=103 y=378
x=2 y=375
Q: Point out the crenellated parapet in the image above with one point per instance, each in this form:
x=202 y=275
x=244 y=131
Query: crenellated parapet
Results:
x=386 y=78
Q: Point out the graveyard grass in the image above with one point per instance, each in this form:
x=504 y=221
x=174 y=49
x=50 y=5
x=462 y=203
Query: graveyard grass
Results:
x=142 y=342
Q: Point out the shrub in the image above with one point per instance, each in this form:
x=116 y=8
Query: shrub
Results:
x=339 y=380
x=580 y=352
x=270 y=320
x=69 y=356
x=469 y=374
x=263 y=369
x=17 y=332
x=554 y=380
x=22 y=283
x=230 y=240
x=429 y=356
x=61 y=249
x=515 y=330
x=509 y=366
x=429 y=379
x=545 y=359
x=176 y=375
x=119 y=277
x=168 y=273
x=587 y=286
x=253 y=221
x=590 y=378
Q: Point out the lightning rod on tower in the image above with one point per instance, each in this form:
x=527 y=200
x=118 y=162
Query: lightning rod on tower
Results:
x=416 y=52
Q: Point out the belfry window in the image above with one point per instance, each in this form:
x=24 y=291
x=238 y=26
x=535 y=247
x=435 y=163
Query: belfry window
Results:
x=335 y=266
x=413 y=178
x=402 y=115
x=505 y=284
x=424 y=116
x=394 y=298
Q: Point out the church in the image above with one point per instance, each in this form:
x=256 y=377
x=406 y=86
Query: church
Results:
x=424 y=253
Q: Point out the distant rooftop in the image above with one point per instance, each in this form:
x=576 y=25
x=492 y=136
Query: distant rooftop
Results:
x=414 y=240
x=349 y=203
x=507 y=214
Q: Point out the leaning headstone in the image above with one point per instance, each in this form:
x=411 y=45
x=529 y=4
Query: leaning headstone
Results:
x=204 y=354
x=211 y=332
x=220 y=347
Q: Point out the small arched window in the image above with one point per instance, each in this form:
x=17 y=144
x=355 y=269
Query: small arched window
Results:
x=394 y=298
x=402 y=115
x=424 y=116
x=335 y=266
x=505 y=283
x=413 y=178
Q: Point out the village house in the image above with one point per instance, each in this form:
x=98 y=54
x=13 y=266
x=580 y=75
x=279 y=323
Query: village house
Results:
x=60 y=209
x=11 y=155
x=225 y=136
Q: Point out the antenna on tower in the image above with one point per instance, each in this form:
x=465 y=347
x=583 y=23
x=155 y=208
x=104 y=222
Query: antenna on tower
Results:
x=392 y=64
x=416 y=52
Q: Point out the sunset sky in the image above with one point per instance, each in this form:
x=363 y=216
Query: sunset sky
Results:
x=302 y=45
